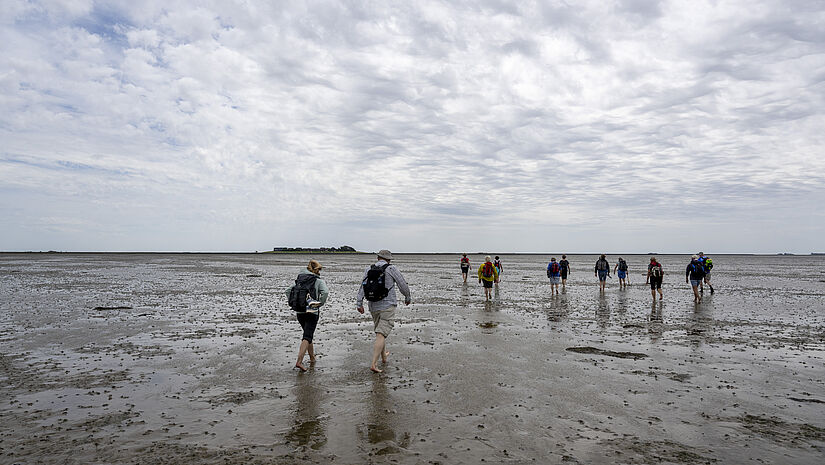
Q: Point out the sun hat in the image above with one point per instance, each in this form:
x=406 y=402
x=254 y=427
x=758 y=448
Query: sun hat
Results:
x=385 y=254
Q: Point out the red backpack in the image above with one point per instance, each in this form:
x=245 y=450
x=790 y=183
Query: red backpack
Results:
x=488 y=270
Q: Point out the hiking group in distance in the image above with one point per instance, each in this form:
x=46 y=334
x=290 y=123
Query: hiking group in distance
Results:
x=697 y=273
x=381 y=279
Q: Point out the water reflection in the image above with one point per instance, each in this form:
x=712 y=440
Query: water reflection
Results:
x=602 y=311
x=621 y=302
x=465 y=294
x=700 y=323
x=309 y=428
x=558 y=307
x=656 y=321
x=379 y=429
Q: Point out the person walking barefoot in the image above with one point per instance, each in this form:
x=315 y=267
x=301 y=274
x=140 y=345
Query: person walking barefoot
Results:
x=621 y=271
x=554 y=273
x=487 y=275
x=465 y=266
x=655 y=276
x=306 y=296
x=602 y=270
x=707 y=265
x=378 y=287
x=695 y=272
x=565 y=269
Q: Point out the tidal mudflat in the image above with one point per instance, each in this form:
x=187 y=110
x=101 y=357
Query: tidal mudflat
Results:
x=129 y=358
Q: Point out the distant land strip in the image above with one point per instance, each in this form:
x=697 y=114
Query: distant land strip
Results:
x=342 y=249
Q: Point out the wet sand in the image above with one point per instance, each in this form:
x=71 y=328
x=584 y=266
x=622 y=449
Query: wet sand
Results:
x=187 y=359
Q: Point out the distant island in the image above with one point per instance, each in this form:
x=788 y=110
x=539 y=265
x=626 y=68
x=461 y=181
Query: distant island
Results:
x=342 y=249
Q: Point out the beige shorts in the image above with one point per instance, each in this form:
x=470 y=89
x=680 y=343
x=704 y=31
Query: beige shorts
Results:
x=383 y=321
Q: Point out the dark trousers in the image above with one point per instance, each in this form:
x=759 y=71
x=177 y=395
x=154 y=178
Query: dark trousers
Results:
x=308 y=322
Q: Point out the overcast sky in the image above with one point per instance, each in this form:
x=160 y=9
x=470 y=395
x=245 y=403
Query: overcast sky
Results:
x=552 y=126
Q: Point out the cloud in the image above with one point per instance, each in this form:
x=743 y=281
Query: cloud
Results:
x=423 y=126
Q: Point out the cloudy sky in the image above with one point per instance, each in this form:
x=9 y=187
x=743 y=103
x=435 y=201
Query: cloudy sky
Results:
x=551 y=126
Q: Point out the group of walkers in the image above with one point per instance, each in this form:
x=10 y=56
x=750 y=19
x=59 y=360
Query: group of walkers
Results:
x=380 y=280
x=378 y=285
x=697 y=273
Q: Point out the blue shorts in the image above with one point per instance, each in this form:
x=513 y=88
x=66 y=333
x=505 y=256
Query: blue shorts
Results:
x=622 y=274
x=555 y=279
x=602 y=275
x=695 y=282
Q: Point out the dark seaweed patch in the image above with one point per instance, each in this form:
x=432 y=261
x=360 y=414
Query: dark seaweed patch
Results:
x=608 y=353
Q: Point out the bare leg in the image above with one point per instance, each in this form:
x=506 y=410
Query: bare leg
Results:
x=377 y=351
x=653 y=293
x=301 y=351
x=311 y=352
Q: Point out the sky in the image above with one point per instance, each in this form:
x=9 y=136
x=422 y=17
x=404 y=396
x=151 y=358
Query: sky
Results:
x=494 y=126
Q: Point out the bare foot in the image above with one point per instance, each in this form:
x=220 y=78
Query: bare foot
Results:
x=376 y=370
x=300 y=367
x=384 y=356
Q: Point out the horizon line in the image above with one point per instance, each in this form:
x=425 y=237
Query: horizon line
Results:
x=358 y=252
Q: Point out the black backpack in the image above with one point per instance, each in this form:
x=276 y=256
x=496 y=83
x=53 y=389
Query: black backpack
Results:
x=622 y=265
x=304 y=286
x=374 y=287
x=655 y=271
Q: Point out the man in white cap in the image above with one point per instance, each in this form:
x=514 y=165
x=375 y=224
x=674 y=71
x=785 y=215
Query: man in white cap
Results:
x=378 y=287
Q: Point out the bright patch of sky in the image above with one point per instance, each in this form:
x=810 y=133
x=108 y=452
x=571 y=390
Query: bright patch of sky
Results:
x=618 y=126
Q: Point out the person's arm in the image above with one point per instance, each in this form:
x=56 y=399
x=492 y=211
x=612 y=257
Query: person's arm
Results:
x=615 y=267
x=401 y=282
x=479 y=272
x=687 y=273
x=321 y=290
x=359 y=299
x=647 y=278
x=596 y=269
